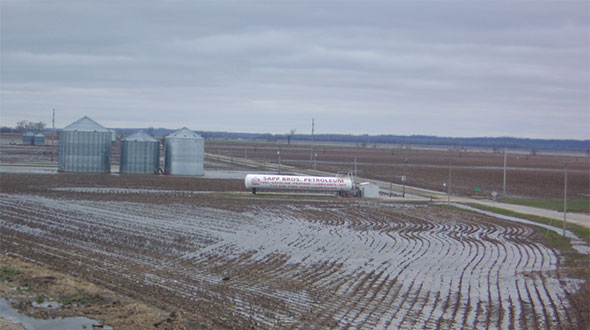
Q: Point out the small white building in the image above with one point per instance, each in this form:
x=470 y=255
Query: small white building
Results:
x=369 y=190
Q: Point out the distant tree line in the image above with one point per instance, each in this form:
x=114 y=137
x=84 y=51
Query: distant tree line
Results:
x=25 y=126
x=362 y=140
x=426 y=140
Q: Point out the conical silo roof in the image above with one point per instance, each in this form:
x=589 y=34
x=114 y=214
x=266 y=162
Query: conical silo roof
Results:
x=85 y=124
x=140 y=137
x=184 y=133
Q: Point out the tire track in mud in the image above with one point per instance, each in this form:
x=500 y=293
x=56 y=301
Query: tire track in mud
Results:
x=301 y=264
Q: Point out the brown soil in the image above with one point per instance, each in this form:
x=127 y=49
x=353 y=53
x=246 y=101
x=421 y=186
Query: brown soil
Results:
x=7 y=325
x=126 y=252
x=528 y=176
x=474 y=174
x=25 y=282
x=136 y=244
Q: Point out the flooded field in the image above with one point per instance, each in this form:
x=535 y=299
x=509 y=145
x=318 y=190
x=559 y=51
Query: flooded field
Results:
x=215 y=256
x=232 y=260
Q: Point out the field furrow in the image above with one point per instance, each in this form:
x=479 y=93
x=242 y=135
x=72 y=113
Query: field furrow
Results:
x=299 y=265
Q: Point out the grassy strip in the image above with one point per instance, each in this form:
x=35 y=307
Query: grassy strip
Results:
x=578 y=206
x=580 y=231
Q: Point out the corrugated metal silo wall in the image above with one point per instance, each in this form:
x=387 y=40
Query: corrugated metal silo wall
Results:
x=39 y=140
x=140 y=157
x=88 y=152
x=28 y=138
x=185 y=156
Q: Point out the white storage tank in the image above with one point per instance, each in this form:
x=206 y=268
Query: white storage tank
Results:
x=85 y=146
x=185 y=153
x=140 y=153
x=292 y=182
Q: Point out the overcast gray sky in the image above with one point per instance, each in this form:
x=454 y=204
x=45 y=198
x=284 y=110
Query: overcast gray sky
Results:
x=449 y=68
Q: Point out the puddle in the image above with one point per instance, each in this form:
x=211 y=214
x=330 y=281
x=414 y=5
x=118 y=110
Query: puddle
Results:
x=70 y=323
x=129 y=191
x=28 y=169
x=209 y=174
x=226 y=174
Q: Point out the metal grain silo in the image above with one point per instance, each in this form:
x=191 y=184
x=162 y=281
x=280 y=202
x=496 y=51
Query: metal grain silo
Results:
x=39 y=139
x=85 y=146
x=140 y=153
x=28 y=138
x=185 y=153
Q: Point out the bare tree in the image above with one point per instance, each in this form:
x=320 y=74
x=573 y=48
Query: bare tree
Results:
x=24 y=125
x=21 y=125
x=39 y=126
x=290 y=135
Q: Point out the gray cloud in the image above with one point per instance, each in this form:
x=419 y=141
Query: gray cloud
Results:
x=452 y=69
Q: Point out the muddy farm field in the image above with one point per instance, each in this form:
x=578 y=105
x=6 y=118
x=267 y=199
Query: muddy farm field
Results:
x=222 y=258
x=474 y=174
x=195 y=253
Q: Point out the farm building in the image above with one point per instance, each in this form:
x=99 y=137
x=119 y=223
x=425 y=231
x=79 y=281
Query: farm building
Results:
x=185 y=153
x=140 y=153
x=28 y=138
x=85 y=146
x=369 y=190
x=39 y=139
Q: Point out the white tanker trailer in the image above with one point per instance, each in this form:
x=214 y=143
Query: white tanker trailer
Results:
x=306 y=183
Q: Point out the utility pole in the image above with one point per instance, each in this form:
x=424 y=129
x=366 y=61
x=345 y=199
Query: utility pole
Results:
x=315 y=161
x=564 y=197
x=449 y=194
x=312 y=131
x=53 y=127
x=404 y=186
x=504 y=180
x=355 y=166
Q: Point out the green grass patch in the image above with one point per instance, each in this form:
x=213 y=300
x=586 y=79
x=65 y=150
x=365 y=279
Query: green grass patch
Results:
x=580 y=231
x=8 y=274
x=556 y=240
x=73 y=298
x=10 y=271
x=578 y=206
